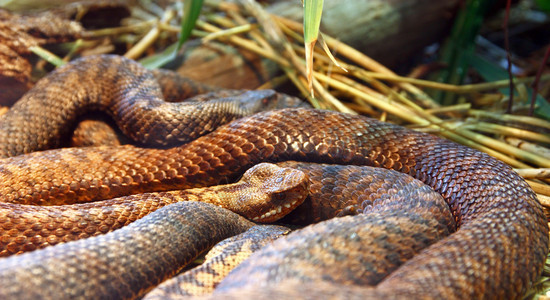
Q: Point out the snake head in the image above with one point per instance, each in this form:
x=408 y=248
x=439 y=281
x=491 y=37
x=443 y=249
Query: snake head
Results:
x=273 y=192
x=264 y=100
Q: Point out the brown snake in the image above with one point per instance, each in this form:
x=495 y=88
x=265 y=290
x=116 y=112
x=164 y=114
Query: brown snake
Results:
x=498 y=250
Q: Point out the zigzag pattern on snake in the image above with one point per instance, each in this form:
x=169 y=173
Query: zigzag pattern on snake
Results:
x=498 y=250
x=218 y=262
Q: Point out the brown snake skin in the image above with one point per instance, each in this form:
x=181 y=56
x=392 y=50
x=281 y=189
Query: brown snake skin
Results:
x=497 y=252
x=343 y=179
x=95 y=129
x=391 y=230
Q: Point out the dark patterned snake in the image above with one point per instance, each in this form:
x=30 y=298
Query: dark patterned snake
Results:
x=497 y=251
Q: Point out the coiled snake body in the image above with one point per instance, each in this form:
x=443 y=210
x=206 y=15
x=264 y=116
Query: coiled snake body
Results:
x=502 y=237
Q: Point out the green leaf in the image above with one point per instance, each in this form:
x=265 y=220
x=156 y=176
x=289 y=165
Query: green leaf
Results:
x=313 y=9
x=542 y=108
x=158 y=60
x=487 y=69
x=543 y=4
x=191 y=12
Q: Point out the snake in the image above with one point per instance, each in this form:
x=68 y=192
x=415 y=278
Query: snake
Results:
x=501 y=239
x=35 y=275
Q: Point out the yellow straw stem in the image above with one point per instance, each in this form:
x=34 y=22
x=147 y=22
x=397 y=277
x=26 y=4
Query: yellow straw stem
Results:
x=151 y=36
x=534 y=173
x=510 y=131
x=539 y=188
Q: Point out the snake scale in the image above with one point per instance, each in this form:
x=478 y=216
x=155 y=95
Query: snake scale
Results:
x=498 y=250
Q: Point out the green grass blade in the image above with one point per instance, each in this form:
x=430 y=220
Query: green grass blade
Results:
x=47 y=55
x=313 y=9
x=158 y=60
x=191 y=12
x=460 y=44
